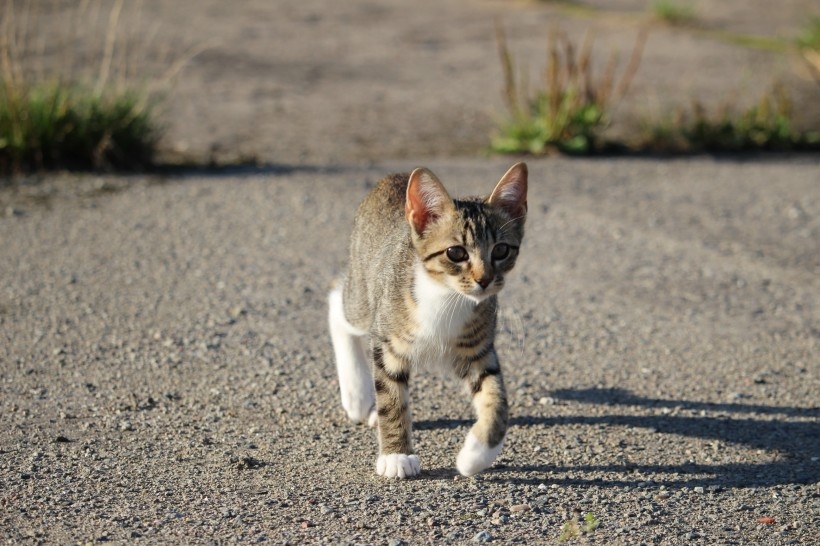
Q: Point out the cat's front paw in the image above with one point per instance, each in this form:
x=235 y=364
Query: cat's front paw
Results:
x=398 y=465
x=359 y=408
x=475 y=456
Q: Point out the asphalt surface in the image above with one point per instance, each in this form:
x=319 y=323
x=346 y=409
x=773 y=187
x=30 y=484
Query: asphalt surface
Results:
x=166 y=374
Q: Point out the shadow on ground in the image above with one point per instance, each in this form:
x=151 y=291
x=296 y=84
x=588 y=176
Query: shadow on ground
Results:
x=796 y=443
x=243 y=169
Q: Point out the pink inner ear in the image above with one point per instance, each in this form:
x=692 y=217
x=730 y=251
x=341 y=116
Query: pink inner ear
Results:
x=426 y=199
x=511 y=192
x=415 y=210
x=512 y=198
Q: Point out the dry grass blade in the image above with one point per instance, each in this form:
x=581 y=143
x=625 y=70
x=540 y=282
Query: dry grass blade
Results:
x=9 y=59
x=177 y=66
x=585 y=64
x=554 y=81
x=508 y=69
x=632 y=66
x=108 y=51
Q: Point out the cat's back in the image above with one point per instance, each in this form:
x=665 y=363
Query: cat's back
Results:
x=380 y=229
x=380 y=254
x=384 y=205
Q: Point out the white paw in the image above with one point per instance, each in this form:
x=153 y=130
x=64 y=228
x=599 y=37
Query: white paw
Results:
x=398 y=465
x=359 y=407
x=475 y=456
x=373 y=420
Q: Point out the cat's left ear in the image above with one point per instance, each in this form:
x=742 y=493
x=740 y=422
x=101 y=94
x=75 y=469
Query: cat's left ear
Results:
x=427 y=200
x=510 y=194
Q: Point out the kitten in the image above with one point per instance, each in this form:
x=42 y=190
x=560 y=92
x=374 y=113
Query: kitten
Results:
x=423 y=277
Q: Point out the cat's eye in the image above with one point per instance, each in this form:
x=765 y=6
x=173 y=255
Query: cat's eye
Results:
x=500 y=251
x=456 y=254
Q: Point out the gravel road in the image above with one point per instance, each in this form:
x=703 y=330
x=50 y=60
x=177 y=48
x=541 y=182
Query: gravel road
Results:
x=165 y=367
x=166 y=373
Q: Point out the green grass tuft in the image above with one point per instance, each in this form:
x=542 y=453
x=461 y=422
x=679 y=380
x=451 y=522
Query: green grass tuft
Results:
x=573 y=529
x=568 y=114
x=565 y=123
x=53 y=126
x=765 y=126
x=569 y=530
x=590 y=523
x=810 y=37
x=674 y=12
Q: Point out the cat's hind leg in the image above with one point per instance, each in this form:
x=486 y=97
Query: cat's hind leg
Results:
x=486 y=437
x=355 y=379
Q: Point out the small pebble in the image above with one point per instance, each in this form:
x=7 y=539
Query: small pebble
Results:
x=482 y=537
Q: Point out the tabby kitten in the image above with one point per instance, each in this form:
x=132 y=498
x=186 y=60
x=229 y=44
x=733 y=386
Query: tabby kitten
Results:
x=422 y=282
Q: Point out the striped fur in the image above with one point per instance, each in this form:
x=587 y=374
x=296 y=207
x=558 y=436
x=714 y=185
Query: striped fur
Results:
x=422 y=282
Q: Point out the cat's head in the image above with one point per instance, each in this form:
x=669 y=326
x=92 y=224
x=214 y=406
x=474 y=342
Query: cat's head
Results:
x=467 y=245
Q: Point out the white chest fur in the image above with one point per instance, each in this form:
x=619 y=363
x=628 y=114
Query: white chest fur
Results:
x=440 y=315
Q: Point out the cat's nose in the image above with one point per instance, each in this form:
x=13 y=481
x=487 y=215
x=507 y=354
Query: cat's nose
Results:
x=484 y=282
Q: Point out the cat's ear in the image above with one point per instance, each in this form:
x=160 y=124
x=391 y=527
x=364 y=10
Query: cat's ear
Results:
x=510 y=194
x=426 y=200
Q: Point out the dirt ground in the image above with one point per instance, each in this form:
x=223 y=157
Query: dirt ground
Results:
x=322 y=82
x=166 y=373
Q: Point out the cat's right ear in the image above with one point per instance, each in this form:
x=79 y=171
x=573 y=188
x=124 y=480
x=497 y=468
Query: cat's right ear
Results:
x=426 y=200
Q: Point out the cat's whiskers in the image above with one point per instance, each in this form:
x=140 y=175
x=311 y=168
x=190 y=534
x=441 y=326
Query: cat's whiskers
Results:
x=449 y=307
x=447 y=312
x=452 y=303
x=511 y=221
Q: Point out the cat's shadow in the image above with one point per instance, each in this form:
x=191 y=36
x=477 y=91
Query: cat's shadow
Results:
x=795 y=440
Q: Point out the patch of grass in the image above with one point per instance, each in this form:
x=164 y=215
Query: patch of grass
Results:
x=54 y=126
x=590 y=523
x=69 y=95
x=49 y=121
x=568 y=114
x=570 y=530
x=573 y=529
x=765 y=126
x=810 y=37
x=673 y=12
